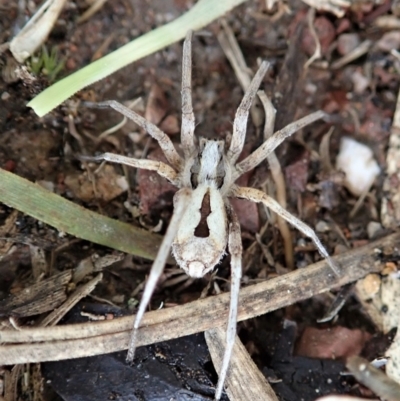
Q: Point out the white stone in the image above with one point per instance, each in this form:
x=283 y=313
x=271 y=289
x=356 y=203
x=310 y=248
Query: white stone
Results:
x=356 y=160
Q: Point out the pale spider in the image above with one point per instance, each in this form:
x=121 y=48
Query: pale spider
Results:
x=206 y=176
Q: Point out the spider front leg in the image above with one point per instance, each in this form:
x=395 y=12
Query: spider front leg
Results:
x=161 y=168
x=161 y=137
x=260 y=197
x=235 y=250
x=181 y=200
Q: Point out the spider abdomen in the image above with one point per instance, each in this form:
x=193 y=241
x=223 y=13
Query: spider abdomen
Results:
x=198 y=255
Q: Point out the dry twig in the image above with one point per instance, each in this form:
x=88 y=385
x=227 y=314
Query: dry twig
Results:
x=244 y=380
x=374 y=378
x=94 y=338
x=390 y=211
x=317 y=53
x=359 y=51
x=233 y=53
x=54 y=317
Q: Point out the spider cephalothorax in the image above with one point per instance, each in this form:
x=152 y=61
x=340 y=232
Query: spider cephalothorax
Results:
x=209 y=165
x=204 y=223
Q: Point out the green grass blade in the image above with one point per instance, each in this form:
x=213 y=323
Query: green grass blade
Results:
x=200 y=15
x=68 y=217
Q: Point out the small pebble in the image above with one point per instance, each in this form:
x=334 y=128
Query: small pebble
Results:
x=49 y=185
x=360 y=82
x=347 y=42
x=373 y=228
x=389 y=41
x=135 y=137
x=357 y=161
x=371 y=284
x=322 y=227
x=5 y=96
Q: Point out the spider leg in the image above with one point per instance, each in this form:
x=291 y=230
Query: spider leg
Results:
x=260 y=197
x=242 y=114
x=161 y=168
x=181 y=200
x=255 y=158
x=161 y=137
x=235 y=250
x=188 y=121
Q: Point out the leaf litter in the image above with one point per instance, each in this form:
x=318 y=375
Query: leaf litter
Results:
x=355 y=81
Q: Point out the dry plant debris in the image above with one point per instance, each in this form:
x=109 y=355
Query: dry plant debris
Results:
x=342 y=398
x=354 y=79
x=243 y=370
x=36 y=30
x=201 y=315
x=374 y=378
x=390 y=211
x=104 y=185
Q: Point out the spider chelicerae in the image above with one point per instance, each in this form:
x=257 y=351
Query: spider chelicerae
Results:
x=205 y=177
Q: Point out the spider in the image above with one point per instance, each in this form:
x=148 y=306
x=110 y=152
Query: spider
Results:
x=205 y=177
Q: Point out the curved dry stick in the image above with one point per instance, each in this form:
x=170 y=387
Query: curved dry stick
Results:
x=245 y=381
x=373 y=378
x=234 y=54
x=277 y=176
x=95 y=338
x=188 y=120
